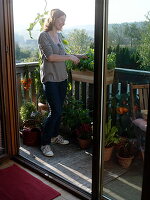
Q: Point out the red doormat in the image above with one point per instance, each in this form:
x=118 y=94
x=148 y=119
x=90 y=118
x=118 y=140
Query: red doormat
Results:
x=17 y=184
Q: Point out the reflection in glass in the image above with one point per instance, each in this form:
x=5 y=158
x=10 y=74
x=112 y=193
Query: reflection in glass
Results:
x=127 y=98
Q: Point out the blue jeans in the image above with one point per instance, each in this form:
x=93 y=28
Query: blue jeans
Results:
x=55 y=93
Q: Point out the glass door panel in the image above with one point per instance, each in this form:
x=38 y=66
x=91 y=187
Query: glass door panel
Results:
x=71 y=162
x=126 y=98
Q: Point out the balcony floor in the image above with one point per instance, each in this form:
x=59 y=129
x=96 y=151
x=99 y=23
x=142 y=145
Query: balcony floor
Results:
x=75 y=165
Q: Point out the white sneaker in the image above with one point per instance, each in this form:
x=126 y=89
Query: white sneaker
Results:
x=46 y=150
x=59 y=140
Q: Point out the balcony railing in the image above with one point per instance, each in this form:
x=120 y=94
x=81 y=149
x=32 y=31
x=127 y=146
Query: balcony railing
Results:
x=81 y=90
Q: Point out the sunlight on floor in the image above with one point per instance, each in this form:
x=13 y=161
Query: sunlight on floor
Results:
x=130 y=184
x=77 y=173
x=60 y=172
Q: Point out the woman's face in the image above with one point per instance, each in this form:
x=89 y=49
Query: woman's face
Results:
x=60 y=22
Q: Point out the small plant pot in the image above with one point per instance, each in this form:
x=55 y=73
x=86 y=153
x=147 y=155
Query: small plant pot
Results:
x=31 y=137
x=107 y=153
x=84 y=143
x=124 y=162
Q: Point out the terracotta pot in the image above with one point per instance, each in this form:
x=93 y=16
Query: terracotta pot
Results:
x=124 y=162
x=84 y=143
x=107 y=153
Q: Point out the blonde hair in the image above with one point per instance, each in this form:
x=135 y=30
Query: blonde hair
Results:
x=54 y=14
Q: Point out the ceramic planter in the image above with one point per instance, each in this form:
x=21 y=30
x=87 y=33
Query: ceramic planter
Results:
x=124 y=162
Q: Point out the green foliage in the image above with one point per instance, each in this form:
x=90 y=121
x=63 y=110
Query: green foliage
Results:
x=40 y=18
x=132 y=33
x=26 y=110
x=74 y=114
x=144 y=48
x=88 y=63
x=111 y=61
x=126 y=150
x=110 y=134
x=25 y=55
x=125 y=57
x=84 y=64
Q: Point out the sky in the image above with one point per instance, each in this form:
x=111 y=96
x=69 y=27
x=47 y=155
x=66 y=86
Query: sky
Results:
x=80 y=12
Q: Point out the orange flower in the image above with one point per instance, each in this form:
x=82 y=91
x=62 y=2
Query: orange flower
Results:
x=26 y=83
x=121 y=110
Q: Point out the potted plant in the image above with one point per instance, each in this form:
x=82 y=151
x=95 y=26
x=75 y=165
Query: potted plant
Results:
x=74 y=114
x=31 y=126
x=84 y=71
x=84 y=133
x=125 y=154
x=111 y=138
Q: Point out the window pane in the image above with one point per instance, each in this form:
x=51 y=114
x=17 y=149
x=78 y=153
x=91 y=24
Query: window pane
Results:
x=71 y=162
x=127 y=98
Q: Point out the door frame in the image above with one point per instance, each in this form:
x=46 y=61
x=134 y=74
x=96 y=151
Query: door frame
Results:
x=9 y=102
x=8 y=79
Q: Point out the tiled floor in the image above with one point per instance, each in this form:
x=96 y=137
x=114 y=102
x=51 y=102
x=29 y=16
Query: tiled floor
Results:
x=64 y=195
x=75 y=165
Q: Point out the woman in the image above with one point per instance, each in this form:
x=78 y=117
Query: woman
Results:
x=54 y=77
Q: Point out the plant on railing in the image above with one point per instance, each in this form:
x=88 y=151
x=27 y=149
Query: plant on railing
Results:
x=88 y=63
x=26 y=83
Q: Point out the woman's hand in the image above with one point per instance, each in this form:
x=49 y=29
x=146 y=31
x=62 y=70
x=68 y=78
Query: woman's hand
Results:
x=74 y=59
x=83 y=56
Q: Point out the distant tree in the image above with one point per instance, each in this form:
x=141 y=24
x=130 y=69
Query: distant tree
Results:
x=118 y=34
x=132 y=33
x=25 y=54
x=144 y=48
x=79 y=41
x=17 y=51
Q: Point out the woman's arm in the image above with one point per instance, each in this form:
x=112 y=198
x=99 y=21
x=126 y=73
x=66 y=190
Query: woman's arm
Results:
x=60 y=58
x=80 y=56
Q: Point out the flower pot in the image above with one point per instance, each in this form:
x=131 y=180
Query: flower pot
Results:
x=83 y=76
x=108 y=152
x=84 y=143
x=31 y=137
x=124 y=162
x=88 y=76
